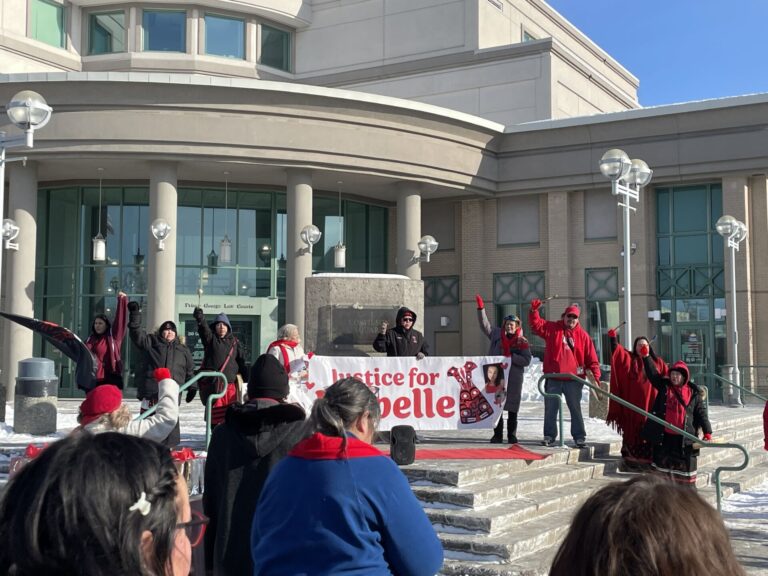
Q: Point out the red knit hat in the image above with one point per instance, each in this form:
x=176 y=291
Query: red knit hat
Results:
x=101 y=400
x=572 y=309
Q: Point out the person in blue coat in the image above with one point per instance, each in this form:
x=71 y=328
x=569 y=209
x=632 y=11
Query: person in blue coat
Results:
x=342 y=502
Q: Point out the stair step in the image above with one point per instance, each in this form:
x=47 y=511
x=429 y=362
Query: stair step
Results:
x=507 y=487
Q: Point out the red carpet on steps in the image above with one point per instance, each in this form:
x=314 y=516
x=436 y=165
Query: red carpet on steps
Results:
x=513 y=452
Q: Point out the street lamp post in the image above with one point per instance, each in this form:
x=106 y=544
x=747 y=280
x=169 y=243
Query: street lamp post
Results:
x=627 y=179
x=734 y=231
x=29 y=111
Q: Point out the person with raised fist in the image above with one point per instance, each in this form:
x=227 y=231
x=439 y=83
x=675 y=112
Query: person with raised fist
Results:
x=224 y=354
x=629 y=382
x=679 y=402
x=162 y=349
x=569 y=350
x=105 y=342
x=403 y=339
x=507 y=340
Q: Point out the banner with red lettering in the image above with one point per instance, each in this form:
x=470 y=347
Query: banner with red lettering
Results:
x=436 y=393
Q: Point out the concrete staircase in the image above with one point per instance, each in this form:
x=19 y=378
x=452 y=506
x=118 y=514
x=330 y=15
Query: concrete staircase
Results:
x=507 y=517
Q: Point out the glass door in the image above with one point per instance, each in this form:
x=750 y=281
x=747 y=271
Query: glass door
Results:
x=693 y=346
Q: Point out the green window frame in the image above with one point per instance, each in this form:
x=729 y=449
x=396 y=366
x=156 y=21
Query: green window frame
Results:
x=602 y=312
x=276 y=48
x=106 y=32
x=441 y=291
x=47 y=22
x=512 y=294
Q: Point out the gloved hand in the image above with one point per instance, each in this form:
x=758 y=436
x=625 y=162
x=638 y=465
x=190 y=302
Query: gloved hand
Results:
x=522 y=343
x=198 y=314
x=535 y=304
x=161 y=374
x=133 y=306
x=645 y=350
x=707 y=437
x=479 y=300
x=420 y=356
x=191 y=393
x=611 y=333
x=383 y=327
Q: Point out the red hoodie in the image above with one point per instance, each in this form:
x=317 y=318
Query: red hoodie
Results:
x=567 y=350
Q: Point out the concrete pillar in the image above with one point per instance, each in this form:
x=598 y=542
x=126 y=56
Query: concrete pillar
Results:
x=408 y=229
x=758 y=242
x=161 y=287
x=299 y=265
x=19 y=290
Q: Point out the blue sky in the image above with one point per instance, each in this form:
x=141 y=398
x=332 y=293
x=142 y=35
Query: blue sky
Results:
x=681 y=50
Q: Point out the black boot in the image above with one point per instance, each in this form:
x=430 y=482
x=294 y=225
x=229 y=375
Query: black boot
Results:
x=512 y=427
x=498 y=432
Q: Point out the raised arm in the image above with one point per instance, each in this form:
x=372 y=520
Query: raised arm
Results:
x=482 y=317
x=536 y=322
x=380 y=342
x=656 y=380
x=120 y=323
x=138 y=335
x=157 y=426
x=202 y=327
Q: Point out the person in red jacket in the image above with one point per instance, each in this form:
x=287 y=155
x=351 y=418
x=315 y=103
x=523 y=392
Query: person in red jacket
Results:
x=105 y=342
x=569 y=350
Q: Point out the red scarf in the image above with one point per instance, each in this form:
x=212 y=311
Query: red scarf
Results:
x=675 y=413
x=508 y=343
x=282 y=345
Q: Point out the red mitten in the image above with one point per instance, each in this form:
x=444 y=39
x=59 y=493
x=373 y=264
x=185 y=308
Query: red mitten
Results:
x=645 y=350
x=611 y=333
x=707 y=437
x=161 y=374
x=535 y=304
x=479 y=300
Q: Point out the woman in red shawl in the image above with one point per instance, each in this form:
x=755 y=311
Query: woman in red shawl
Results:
x=628 y=382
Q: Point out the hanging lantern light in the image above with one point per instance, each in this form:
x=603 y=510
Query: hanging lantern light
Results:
x=225 y=246
x=340 y=251
x=99 y=242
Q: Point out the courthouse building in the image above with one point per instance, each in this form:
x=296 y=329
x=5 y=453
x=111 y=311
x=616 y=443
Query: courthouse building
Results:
x=479 y=122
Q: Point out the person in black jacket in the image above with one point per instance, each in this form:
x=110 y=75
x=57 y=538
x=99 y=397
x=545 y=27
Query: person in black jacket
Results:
x=223 y=353
x=403 y=339
x=162 y=349
x=678 y=402
x=253 y=438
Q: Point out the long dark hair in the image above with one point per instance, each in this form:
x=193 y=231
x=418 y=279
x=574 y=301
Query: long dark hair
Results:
x=344 y=402
x=67 y=511
x=647 y=526
x=106 y=321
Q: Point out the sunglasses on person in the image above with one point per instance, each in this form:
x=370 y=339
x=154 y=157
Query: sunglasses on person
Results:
x=572 y=317
x=195 y=528
x=407 y=319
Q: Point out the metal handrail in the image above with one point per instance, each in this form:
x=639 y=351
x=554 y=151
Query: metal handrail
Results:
x=726 y=381
x=209 y=403
x=702 y=443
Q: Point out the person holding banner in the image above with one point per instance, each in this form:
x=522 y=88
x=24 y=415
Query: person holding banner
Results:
x=507 y=340
x=403 y=339
x=346 y=502
x=569 y=350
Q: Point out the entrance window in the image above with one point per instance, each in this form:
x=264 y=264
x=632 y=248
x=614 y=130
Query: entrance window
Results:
x=690 y=277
